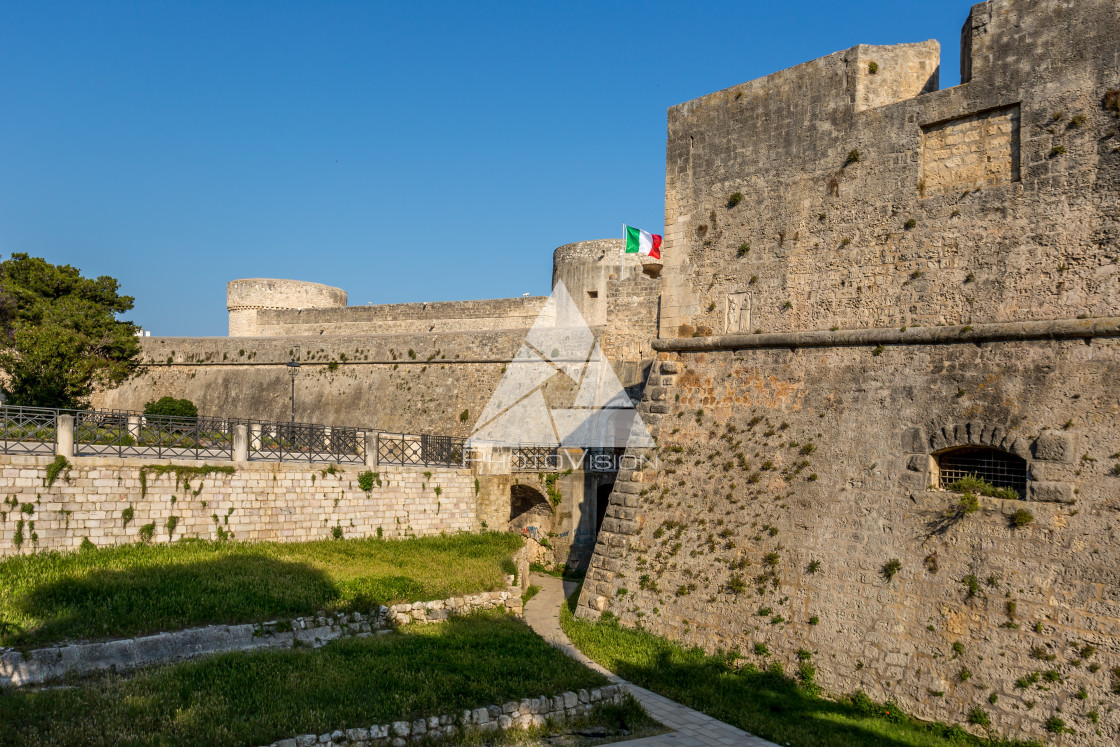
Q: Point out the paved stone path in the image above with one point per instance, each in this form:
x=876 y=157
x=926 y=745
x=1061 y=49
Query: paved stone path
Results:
x=690 y=728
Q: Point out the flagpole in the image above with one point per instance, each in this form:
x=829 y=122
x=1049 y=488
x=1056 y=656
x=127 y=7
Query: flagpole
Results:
x=622 y=256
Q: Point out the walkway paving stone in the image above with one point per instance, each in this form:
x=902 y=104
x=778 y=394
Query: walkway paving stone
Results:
x=690 y=728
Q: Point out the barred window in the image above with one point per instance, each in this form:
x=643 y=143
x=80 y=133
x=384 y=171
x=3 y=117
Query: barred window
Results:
x=999 y=468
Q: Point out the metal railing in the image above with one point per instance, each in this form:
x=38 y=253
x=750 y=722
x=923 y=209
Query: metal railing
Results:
x=535 y=459
x=101 y=433
x=306 y=442
x=421 y=450
x=27 y=430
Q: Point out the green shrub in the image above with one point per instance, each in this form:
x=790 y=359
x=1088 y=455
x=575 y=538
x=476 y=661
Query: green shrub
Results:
x=979 y=717
x=147 y=532
x=60 y=466
x=171 y=407
x=854 y=156
x=1021 y=518
x=872 y=67
x=734 y=199
x=979 y=486
x=367 y=479
x=1055 y=725
x=891 y=567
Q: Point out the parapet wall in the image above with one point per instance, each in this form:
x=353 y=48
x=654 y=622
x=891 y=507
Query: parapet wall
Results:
x=869 y=199
x=403 y=318
x=257 y=501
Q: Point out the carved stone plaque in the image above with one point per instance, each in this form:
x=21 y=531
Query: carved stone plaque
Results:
x=738 y=312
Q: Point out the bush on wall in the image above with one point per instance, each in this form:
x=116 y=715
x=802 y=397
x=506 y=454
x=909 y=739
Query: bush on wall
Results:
x=171 y=407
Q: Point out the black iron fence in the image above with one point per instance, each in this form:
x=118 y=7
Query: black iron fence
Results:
x=535 y=459
x=27 y=430
x=421 y=450
x=115 y=433
x=34 y=430
x=306 y=442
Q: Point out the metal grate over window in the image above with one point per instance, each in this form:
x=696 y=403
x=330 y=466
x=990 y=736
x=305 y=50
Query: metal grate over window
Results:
x=997 y=467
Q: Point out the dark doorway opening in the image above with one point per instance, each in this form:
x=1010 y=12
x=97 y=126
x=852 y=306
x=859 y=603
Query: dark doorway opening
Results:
x=528 y=507
x=602 y=499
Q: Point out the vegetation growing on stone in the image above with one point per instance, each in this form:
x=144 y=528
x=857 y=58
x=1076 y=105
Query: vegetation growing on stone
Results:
x=368 y=478
x=891 y=568
x=979 y=486
x=60 y=466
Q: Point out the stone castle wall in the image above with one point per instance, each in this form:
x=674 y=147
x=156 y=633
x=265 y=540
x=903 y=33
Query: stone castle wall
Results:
x=775 y=459
x=370 y=381
x=258 y=501
x=866 y=204
x=403 y=318
x=908 y=271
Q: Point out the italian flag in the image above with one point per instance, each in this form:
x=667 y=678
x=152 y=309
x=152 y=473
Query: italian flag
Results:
x=642 y=242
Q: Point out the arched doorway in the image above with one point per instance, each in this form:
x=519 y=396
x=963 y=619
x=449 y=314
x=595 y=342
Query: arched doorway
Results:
x=529 y=511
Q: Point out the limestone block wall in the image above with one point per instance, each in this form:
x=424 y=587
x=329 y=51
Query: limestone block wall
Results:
x=370 y=381
x=403 y=318
x=995 y=200
x=789 y=478
x=258 y=501
x=412 y=383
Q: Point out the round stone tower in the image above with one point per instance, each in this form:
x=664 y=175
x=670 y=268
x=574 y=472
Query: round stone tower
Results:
x=245 y=297
x=588 y=269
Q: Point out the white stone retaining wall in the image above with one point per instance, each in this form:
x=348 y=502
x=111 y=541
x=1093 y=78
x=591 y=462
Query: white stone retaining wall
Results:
x=51 y=663
x=515 y=714
x=285 y=502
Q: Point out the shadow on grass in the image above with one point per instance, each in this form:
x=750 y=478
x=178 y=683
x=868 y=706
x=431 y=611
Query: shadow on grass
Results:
x=768 y=703
x=135 y=589
x=250 y=698
x=148 y=599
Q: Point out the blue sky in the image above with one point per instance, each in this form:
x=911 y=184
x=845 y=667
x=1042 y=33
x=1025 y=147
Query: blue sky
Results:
x=401 y=151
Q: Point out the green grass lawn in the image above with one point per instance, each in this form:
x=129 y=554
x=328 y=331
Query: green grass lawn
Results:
x=768 y=704
x=259 y=697
x=137 y=589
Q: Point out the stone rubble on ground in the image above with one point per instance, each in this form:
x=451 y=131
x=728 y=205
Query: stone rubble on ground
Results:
x=39 y=665
x=526 y=713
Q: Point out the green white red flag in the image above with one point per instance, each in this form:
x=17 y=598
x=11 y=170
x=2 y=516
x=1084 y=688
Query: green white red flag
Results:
x=642 y=242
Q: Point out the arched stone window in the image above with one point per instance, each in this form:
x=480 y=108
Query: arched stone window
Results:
x=1001 y=469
